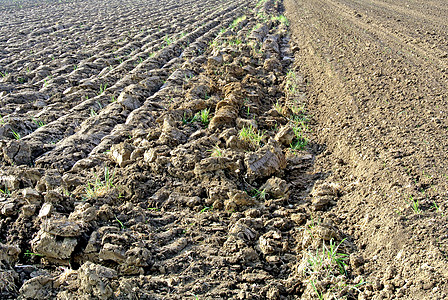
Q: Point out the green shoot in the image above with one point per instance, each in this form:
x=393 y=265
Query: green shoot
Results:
x=237 y=21
x=319 y=295
x=327 y=260
x=168 y=40
x=187 y=120
x=216 y=151
x=414 y=205
x=278 y=107
x=93 y=113
x=29 y=253
x=301 y=141
x=205 y=116
x=257 y=194
x=282 y=19
x=250 y=135
x=437 y=207
x=38 y=122
x=17 y=135
x=99 y=187
x=102 y=88
x=5 y=191
x=235 y=42
x=121 y=224
x=205 y=209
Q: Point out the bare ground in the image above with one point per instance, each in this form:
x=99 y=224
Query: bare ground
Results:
x=176 y=150
x=377 y=90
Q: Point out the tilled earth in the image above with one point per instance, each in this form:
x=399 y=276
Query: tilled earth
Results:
x=218 y=150
x=377 y=91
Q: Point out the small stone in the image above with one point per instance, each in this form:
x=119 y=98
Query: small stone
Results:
x=121 y=153
x=270 y=242
x=63 y=227
x=320 y=203
x=95 y=280
x=211 y=164
x=326 y=233
x=273 y=259
x=273 y=293
x=7 y=209
x=276 y=187
x=84 y=212
x=32 y=196
x=265 y=246
x=137 y=153
x=265 y=162
x=215 y=61
x=50 y=181
x=170 y=134
x=29 y=210
x=243 y=231
x=47 y=245
x=72 y=180
x=233 y=142
x=17 y=152
x=356 y=260
x=37 y=288
x=150 y=156
x=45 y=210
x=9 y=253
x=325 y=189
x=285 y=135
x=112 y=252
x=238 y=199
x=298 y=218
x=240 y=123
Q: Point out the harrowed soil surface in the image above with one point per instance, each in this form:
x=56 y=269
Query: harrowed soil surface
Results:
x=377 y=90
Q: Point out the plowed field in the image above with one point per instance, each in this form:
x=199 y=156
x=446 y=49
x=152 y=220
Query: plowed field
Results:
x=223 y=149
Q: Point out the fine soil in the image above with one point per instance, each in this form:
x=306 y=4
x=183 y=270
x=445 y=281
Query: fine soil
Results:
x=377 y=92
x=220 y=150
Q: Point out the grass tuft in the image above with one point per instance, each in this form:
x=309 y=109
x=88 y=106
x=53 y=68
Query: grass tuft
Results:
x=38 y=122
x=237 y=21
x=100 y=187
x=17 y=135
x=251 y=135
x=204 y=116
x=5 y=191
x=216 y=151
x=282 y=19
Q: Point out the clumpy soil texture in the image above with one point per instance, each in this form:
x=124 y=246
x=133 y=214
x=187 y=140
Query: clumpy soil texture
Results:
x=223 y=150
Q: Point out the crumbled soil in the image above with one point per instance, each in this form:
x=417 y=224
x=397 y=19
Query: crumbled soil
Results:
x=218 y=150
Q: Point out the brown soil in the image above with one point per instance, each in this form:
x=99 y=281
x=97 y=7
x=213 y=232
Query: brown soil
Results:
x=215 y=150
x=377 y=90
